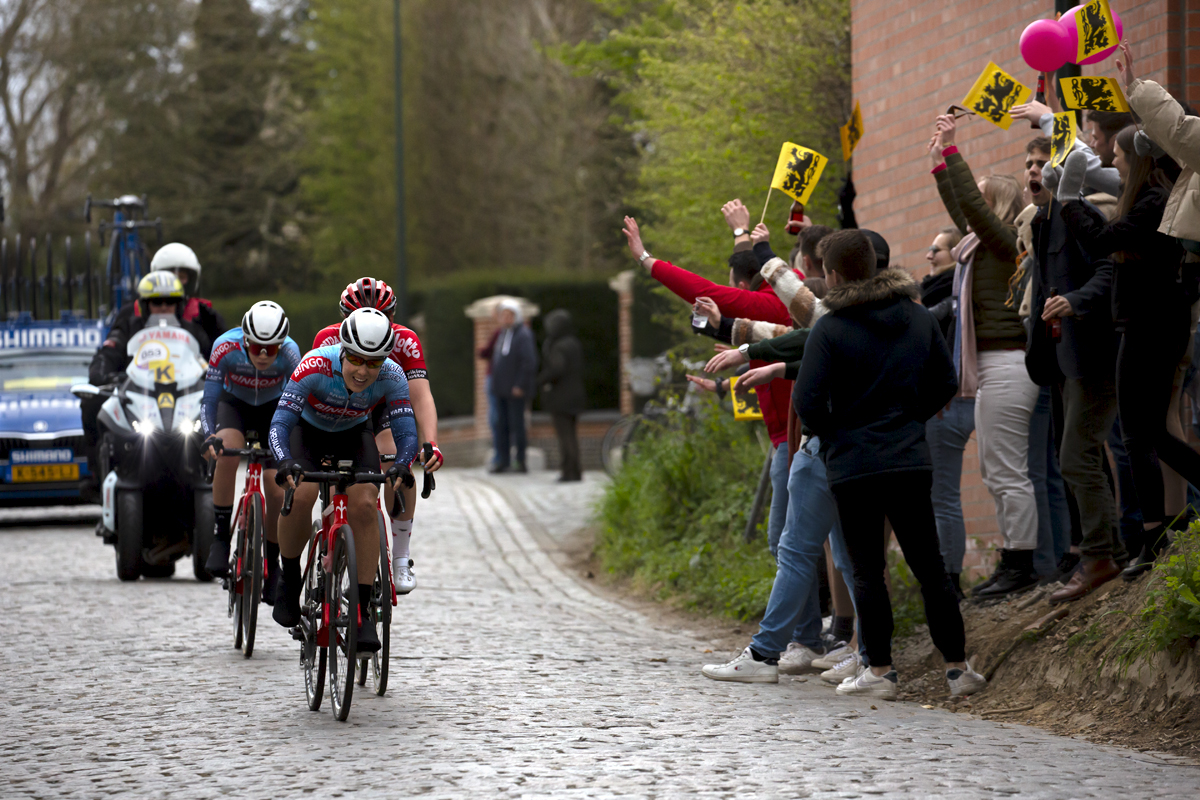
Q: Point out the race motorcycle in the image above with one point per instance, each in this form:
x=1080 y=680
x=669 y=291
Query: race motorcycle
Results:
x=157 y=501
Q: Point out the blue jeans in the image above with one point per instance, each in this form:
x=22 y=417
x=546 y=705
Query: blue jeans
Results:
x=779 y=498
x=947 y=437
x=794 y=610
x=1054 y=519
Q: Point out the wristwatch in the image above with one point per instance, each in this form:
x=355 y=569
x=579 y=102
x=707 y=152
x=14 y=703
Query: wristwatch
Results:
x=740 y=232
x=745 y=351
x=642 y=258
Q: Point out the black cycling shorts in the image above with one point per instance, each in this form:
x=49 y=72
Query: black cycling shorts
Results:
x=240 y=415
x=310 y=444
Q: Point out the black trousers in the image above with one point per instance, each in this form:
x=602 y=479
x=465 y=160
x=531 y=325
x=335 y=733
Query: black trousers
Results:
x=1151 y=349
x=510 y=429
x=568 y=445
x=904 y=498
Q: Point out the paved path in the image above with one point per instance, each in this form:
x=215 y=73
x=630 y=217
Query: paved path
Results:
x=511 y=680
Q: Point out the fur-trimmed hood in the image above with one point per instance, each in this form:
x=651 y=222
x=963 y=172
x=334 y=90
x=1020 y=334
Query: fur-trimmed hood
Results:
x=888 y=284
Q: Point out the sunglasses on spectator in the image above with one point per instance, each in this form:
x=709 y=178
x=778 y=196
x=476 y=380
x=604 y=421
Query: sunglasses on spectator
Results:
x=257 y=350
x=369 y=363
x=960 y=111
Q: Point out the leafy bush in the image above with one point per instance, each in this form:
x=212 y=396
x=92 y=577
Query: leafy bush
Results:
x=1171 y=614
x=673 y=518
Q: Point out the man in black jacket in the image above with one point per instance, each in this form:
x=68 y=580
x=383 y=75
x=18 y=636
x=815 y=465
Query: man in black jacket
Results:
x=1073 y=344
x=563 y=394
x=514 y=371
x=875 y=369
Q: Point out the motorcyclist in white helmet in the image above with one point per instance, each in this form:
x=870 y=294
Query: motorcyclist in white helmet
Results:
x=180 y=259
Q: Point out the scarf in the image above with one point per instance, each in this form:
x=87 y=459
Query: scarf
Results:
x=506 y=342
x=965 y=363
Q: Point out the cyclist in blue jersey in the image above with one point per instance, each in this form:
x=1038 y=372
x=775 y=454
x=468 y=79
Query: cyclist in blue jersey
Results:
x=324 y=411
x=246 y=373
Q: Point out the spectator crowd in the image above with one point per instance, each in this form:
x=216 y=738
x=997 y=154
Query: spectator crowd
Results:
x=1056 y=324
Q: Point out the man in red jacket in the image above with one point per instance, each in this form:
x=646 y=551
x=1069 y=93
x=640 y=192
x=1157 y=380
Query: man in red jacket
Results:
x=747 y=295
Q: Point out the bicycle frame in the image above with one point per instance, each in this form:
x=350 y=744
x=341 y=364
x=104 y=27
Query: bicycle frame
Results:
x=252 y=486
x=127 y=256
x=333 y=517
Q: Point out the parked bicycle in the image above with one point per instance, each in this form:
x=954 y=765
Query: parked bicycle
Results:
x=127 y=258
x=329 y=608
x=248 y=567
x=654 y=378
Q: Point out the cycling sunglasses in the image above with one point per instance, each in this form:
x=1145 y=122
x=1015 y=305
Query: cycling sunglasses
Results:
x=257 y=350
x=369 y=363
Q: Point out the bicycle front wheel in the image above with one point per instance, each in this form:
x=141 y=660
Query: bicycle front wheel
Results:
x=612 y=448
x=341 y=596
x=381 y=610
x=234 y=580
x=252 y=574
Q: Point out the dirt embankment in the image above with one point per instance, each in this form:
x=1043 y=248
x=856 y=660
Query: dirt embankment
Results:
x=1061 y=674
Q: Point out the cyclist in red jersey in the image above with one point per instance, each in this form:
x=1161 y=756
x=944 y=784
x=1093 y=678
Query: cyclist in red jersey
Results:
x=372 y=293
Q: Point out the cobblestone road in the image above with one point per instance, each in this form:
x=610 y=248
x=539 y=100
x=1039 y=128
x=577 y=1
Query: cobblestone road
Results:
x=510 y=680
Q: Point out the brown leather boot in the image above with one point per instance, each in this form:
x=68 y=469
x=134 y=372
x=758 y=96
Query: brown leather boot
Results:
x=1090 y=575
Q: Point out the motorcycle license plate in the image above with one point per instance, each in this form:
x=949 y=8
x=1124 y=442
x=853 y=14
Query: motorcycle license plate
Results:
x=34 y=473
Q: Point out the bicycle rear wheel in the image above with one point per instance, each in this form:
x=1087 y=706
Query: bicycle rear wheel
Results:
x=312 y=609
x=341 y=595
x=252 y=574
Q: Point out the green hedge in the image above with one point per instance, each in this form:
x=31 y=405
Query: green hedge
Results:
x=448 y=336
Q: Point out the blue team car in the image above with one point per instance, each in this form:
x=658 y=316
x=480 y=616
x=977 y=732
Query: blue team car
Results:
x=42 y=455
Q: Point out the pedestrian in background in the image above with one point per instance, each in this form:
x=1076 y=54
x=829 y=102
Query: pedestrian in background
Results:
x=563 y=394
x=514 y=368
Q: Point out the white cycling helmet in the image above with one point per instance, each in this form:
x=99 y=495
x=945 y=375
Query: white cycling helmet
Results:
x=178 y=256
x=265 y=323
x=368 y=333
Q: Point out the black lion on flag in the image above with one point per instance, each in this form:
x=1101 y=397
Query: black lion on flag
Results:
x=1093 y=29
x=998 y=97
x=1094 y=94
x=801 y=168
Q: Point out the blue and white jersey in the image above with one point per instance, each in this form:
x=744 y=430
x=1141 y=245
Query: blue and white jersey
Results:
x=231 y=372
x=317 y=393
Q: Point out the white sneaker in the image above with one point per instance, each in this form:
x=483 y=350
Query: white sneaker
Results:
x=743 y=669
x=965 y=682
x=846 y=668
x=834 y=657
x=868 y=684
x=402 y=575
x=797 y=659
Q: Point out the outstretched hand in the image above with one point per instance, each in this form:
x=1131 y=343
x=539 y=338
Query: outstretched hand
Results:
x=946 y=127
x=760 y=233
x=1032 y=111
x=707 y=384
x=1125 y=65
x=759 y=375
x=736 y=215
x=725 y=360
x=633 y=235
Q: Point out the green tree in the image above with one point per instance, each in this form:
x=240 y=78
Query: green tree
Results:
x=711 y=89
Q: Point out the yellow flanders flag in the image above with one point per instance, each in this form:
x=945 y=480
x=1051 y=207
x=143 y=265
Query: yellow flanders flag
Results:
x=798 y=171
x=1063 y=140
x=1096 y=29
x=851 y=132
x=745 y=406
x=994 y=94
x=1094 y=94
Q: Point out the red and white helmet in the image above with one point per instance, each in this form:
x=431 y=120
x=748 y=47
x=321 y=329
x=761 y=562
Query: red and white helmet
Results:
x=367 y=293
x=367 y=333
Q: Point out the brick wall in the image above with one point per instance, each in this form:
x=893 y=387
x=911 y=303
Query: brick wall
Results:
x=913 y=58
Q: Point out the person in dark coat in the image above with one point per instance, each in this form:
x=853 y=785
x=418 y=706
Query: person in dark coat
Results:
x=514 y=370
x=563 y=394
x=875 y=369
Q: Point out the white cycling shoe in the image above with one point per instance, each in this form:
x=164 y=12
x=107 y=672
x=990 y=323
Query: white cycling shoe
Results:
x=402 y=575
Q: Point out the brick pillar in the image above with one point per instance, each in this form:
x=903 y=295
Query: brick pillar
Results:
x=623 y=286
x=483 y=313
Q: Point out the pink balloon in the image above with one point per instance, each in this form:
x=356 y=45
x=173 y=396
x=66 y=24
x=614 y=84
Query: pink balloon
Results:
x=1045 y=45
x=1068 y=22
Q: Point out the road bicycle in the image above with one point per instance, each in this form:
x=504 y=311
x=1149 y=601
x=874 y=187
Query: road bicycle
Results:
x=329 y=608
x=383 y=592
x=127 y=259
x=248 y=568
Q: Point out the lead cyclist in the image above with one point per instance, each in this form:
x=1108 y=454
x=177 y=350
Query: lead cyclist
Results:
x=372 y=293
x=324 y=411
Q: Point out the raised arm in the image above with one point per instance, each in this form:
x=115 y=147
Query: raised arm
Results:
x=997 y=236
